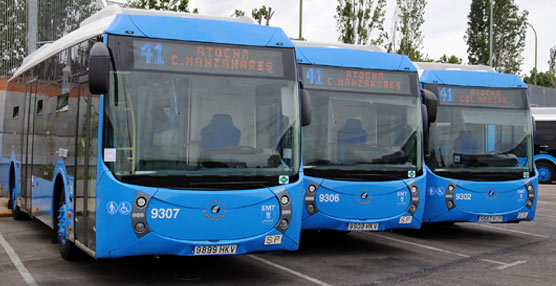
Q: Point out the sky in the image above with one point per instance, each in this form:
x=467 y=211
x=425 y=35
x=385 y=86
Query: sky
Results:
x=443 y=30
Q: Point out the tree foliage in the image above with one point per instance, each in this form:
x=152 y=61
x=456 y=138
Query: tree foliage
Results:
x=238 y=13
x=165 y=5
x=552 y=65
x=453 y=59
x=262 y=13
x=356 y=20
x=12 y=34
x=409 y=22
x=543 y=78
x=508 y=38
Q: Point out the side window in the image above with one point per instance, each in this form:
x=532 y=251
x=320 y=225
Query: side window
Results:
x=39 y=106
x=62 y=103
x=15 y=113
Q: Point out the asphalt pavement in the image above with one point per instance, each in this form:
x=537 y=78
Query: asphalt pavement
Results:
x=459 y=254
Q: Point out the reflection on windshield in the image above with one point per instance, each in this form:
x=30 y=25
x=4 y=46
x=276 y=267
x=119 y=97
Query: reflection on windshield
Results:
x=478 y=138
x=179 y=124
x=361 y=131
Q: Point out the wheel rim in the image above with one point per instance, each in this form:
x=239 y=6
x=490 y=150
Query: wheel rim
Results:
x=544 y=173
x=62 y=223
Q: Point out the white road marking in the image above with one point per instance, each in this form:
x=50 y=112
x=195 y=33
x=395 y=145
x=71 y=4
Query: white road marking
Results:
x=306 y=277
x=419 y=245
x=504 y=265
x=17 y=263
x=546 y=203
x=511 y=264
x=509 y=230
x=543 y=215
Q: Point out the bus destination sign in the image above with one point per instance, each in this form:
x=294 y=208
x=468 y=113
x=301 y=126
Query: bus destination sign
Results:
x=479 y=96
x=207 y=58
x=360 y=80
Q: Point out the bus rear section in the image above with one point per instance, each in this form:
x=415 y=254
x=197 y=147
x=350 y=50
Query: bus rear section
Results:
x=479 y=152
x=191 y=134
x=362 y=153
x=545 y=143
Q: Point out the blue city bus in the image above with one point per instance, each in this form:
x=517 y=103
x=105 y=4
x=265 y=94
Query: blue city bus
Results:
x=362 y=153
x=479 y=152
x=129 y=138
x=545 y=143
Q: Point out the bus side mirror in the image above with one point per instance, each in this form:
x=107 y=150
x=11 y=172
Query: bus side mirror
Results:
x=426 y=122
x=431 y=102
x=306 y=108
x=99 y=68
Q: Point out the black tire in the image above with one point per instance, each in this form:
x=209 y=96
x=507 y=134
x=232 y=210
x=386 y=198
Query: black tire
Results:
x=17 y=213
x=67 y=248
x=547 y=172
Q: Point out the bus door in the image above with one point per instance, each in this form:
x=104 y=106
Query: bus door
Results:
x=85 y=179
x=27 y=143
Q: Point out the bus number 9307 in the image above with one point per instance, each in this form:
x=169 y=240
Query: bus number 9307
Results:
x=163 y=213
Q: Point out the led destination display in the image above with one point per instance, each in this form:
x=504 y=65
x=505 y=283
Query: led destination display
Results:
x=361 y=80
x=207 y=58
x=478 y=96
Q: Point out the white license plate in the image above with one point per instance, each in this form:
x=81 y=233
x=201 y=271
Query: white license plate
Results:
x=215 y=249
x=362 y=226
x=491 y=218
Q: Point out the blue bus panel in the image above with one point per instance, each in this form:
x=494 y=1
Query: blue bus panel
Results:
x=479 y=153
x=194 y=150
x=362 y=152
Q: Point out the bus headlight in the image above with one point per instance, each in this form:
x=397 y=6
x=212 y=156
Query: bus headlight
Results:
x=414 y=193
x=530 y=195
x=450 y=196
x=285 y=212
x=310 y=195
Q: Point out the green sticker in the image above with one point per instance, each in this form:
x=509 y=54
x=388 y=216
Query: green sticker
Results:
x=411 y=174
x=284 y=179
x=525 y=174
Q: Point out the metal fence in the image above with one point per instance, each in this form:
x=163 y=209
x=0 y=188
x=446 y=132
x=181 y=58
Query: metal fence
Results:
x=47 y=20
x=542 y=96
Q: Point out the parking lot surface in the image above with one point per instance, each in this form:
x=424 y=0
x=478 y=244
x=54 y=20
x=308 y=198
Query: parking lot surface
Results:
x=458 y=254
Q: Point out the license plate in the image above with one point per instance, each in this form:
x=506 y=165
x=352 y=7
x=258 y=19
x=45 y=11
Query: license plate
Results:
x=215 y=249
x=491 y=218
x=362 y=226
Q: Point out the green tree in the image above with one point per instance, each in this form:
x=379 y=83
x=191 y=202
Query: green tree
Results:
x=165 y=5
x=238 y=13
x=262 y=13
x=508 y=38
x=409 y=22
x=449 y=60
x=12 y=35
x=552 y=65
x=543 y=78
x=356 y=20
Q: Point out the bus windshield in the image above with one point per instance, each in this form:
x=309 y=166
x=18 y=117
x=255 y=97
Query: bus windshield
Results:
x=481 y=132
x=360 y=130
x=201 y=121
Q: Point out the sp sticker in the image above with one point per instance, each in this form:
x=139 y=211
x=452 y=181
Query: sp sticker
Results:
x=284 y=179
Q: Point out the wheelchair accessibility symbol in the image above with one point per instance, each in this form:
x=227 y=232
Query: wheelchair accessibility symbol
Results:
x=125 y=208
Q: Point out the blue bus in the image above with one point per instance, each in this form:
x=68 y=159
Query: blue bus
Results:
x=545 y=143
x=479 y=152
x=362 y=153
x=128 y=138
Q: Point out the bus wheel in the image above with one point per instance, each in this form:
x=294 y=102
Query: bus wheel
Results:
x=17 y=213
x=546 y=172
x=67 y=248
